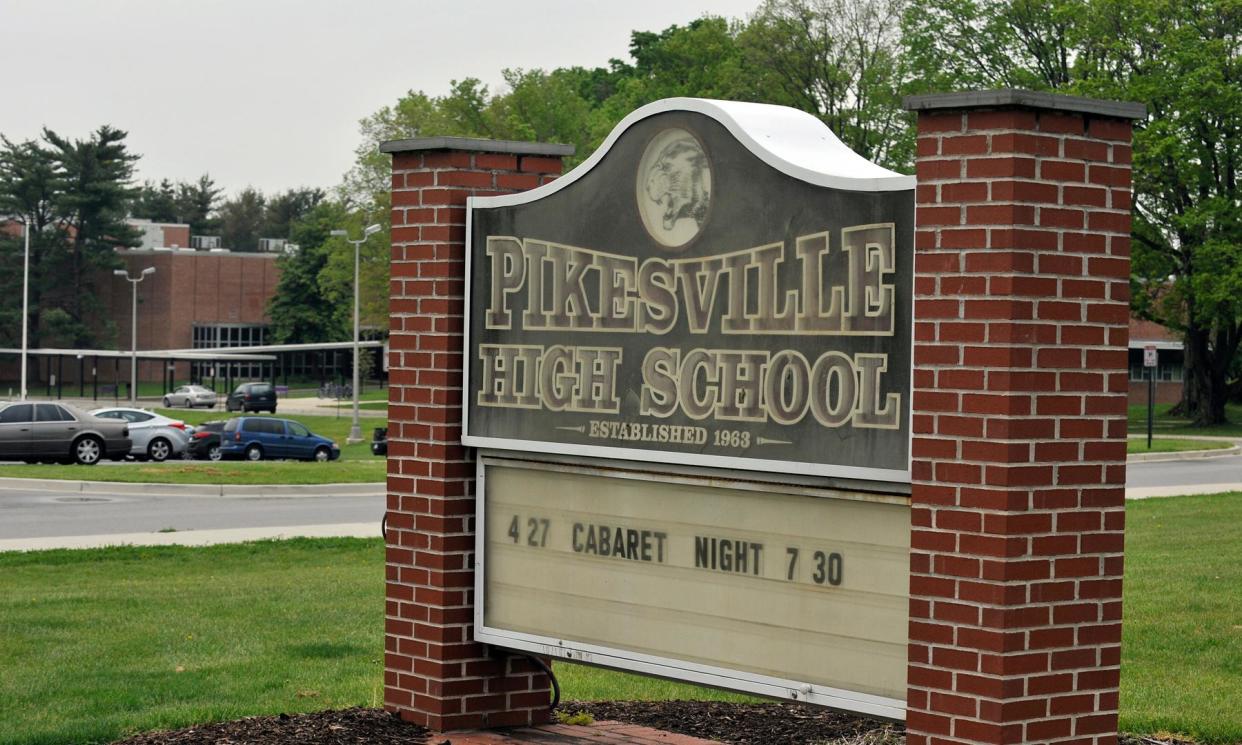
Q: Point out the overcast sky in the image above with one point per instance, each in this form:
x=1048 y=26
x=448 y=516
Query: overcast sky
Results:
x=269 y=92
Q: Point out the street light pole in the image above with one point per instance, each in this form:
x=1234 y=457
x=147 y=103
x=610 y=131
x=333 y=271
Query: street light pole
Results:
x=355 y=429
x=133 y=331
x=25 y=306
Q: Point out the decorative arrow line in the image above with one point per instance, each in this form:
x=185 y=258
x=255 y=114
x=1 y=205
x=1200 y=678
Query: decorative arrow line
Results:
x=770 y=441
x=580 y=429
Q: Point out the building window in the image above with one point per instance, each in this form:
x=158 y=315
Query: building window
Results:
x=1169 y=368
x=217 y=336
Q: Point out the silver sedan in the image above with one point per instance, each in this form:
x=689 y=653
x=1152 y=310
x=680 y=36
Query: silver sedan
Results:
x=190 y=396
x=154 y=437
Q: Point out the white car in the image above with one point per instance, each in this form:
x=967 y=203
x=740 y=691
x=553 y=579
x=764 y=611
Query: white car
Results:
x=190 y=396
x=154 y=437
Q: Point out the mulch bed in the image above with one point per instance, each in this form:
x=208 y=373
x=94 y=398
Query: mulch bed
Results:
x=737 y=724
x=344 y=727
x=741 y=724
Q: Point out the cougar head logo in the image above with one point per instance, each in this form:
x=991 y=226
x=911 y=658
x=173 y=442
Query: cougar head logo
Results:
x=676 y=182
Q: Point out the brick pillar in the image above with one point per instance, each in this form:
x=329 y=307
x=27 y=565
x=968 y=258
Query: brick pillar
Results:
x=1022 y=265
x=434 y=675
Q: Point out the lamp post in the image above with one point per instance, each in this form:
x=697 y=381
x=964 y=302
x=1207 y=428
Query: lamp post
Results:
x=355 y=430
x=133 y=332
x=25 y=305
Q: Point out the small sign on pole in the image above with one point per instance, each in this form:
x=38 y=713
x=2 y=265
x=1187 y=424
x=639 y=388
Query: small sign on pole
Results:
x=1150 y=358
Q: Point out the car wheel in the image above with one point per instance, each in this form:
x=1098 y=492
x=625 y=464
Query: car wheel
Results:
x=213 y=453
x=322 y=455
x=167 y=403
x=159 y=450
x=87 y=451
x=254 y=452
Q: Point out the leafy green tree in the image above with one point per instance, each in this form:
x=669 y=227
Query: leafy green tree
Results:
x=196 y=205
x=96 y=189
x=971 y=44
x=1181 y=58
x=840 y=60
x=156 y=202
x=299 y=310
x=242 y=219
x=336 y=278
x=283 y=209
x=74 y=195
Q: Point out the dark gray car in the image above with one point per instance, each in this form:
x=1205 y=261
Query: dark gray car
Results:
x=35 y=431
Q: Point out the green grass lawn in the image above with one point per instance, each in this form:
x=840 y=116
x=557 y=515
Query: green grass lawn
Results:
x=97 y=644
x=1181 y=668
x=1171 y=445
x=1164 y=424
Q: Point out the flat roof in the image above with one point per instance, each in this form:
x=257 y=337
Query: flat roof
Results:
x=476 y=145
x=145 y=354
x=1029 y=99
x=268 y=348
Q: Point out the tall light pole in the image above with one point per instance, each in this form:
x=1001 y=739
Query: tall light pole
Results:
x=25 y=304
x=355 y=429
x=133 y=332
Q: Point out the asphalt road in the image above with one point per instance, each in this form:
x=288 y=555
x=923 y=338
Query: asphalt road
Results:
x=1225 y=470
x=45 y=513
x=40 y=514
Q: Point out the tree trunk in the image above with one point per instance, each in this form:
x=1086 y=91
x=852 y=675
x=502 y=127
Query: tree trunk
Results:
x=1197 y=384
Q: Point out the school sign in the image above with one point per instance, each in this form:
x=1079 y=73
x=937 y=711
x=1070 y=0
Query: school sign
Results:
x=721 y=285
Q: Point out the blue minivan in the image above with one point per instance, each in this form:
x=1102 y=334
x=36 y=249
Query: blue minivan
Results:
x=260 y=437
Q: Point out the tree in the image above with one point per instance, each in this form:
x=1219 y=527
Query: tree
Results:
x=299 y=310
x=1181 y=59
x=74 y=195
x=156 y=203
x=282 y=210
x=336 y=278
x=842 y=61
x=192 y=203
x=242 y=219
x=196 y=205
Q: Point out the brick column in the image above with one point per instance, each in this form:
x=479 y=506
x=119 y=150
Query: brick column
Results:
x=1021 y=308
x=434 y=675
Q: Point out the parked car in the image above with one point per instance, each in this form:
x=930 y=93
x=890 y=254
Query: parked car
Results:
x=154 y=437
x=259 y=437
x=59 y=432
x=379 y=441
x=191 y=396
x=252 y=397
x=205 y=441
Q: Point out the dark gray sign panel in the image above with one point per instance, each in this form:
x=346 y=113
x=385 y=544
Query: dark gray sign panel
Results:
x=721 y=284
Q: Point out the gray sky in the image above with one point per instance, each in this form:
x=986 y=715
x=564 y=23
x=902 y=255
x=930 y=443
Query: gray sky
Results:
x=269 y=92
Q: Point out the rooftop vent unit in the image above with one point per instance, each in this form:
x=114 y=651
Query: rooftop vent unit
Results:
x=272 y=245
x=205 y=242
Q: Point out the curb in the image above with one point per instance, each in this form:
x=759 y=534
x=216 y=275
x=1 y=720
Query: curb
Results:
x=1185 y=454
x=199 y=490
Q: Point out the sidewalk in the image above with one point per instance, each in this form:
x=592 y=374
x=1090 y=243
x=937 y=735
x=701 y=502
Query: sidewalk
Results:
x=123 y=488
x=194 y=537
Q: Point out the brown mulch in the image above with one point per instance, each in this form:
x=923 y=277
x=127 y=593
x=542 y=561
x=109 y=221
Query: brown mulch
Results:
x=740 y=724
x=736 y=724
x=344 y=727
